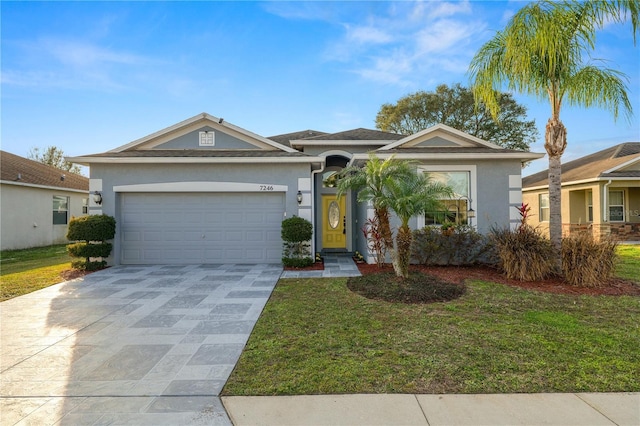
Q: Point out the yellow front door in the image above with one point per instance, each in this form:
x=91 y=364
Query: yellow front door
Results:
x=334 y=218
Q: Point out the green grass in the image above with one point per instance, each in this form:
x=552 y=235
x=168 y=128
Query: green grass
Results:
x=629 y=266
x=24 y=271
x=317 y=337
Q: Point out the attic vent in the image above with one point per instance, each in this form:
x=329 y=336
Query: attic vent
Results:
x=207 y=138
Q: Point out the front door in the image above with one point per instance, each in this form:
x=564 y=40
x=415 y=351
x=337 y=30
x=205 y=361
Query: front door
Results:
x=334 y=221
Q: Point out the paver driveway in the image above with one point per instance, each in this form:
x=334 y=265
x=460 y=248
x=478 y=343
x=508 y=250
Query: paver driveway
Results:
x=136 y=345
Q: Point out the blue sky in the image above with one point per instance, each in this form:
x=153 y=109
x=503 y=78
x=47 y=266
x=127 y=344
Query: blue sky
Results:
x=90 y=76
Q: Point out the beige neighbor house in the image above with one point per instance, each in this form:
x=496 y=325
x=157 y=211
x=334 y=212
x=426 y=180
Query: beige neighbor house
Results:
x=600 y=194
x=37 y=201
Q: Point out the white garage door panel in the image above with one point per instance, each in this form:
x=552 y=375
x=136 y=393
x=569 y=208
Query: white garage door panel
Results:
x=201 y=228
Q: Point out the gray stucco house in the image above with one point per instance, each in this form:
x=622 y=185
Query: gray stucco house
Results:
x=207 y=191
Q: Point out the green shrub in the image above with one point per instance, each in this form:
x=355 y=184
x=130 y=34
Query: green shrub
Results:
x=296 y=229
x=295 y=262
x=462 y=245
x=523 y=254
x=87 y=250
x=91 y=228
x=587 y=262
x=296 y=233
x=91 y=232
x=84 y=265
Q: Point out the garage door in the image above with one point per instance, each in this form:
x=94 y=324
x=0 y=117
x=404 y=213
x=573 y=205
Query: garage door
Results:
x=201 y=228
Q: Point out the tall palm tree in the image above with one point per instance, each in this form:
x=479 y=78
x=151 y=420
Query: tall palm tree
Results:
x=413 y=195
x=542 y=52
x=370 y=181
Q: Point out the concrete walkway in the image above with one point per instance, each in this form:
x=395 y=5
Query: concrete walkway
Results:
x=436 y=410
x=335 y=265
x=129 y=345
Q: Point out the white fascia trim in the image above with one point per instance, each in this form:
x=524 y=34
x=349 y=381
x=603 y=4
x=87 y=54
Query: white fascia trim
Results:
x=338 y=142
x=202 y=187
x=579 y=182
x=444 y=128
x=86 y=161
x=213 y=121
x=524 y=156
x=33 y=185
x=623 y=165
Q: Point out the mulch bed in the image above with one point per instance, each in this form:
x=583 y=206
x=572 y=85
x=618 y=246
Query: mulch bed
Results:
x=457 y=274
x=72 y=274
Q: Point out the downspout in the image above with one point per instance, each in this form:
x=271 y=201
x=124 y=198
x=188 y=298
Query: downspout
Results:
x=606 y=201
x=313 y=205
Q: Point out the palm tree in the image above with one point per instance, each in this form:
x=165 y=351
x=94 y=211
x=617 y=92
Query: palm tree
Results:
x=413 y=195
x=540 y=52
x=371 y=181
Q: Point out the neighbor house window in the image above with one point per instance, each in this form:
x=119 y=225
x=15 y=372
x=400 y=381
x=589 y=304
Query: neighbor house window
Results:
x=543 y=201
x=590 y=206
x=454 y=210
x=60 y=210
x=85 y=206
x=616 y=206
x=207 y=139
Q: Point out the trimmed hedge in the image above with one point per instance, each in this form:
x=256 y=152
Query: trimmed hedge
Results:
x=460 y=246
x=296 y=233
x=91 y=233
x=92 y=228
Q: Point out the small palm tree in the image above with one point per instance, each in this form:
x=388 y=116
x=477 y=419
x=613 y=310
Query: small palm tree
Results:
x=541 y=52
x=371 y=181
x=408 y=197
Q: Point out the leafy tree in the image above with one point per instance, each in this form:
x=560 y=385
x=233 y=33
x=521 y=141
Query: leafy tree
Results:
x=371 y=181
x=407 y=197
x=53 y=156
x=542 y=52
x=455 y=107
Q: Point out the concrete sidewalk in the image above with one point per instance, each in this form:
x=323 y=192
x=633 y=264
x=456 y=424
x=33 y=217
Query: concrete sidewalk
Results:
x=432 y=410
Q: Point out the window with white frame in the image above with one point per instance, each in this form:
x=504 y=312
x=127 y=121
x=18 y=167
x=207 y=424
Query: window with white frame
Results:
x=207 y=138
x=454 y=210
x=543 y=202
x=85 y=206
x=60 y=210
x=590 y=206
x=616 y=206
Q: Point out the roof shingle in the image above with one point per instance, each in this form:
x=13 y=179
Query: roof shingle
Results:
x=591 y=166
x=18 y=169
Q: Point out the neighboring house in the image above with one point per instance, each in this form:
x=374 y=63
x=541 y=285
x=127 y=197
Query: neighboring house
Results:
x=600 y=194
x=206 y=191
x=37 y=202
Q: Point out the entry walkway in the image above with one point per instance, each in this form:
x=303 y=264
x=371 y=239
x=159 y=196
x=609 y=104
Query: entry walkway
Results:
x=129 y=345
x=335 y=265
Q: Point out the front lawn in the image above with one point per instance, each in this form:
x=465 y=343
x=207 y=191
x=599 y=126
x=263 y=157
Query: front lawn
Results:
x=629 y=265
x=315 y=336
x=24 y=271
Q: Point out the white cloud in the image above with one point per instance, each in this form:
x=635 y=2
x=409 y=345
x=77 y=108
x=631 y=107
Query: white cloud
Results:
x=367 y=34
x=82 y=54
x=445 y=9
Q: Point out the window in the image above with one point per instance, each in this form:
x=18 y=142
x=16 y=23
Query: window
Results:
x=60 y=210
x=207 y=138
x=543 y=201
x=454 y=209
x=590 y=206
x=616 y=206
x=85 y=206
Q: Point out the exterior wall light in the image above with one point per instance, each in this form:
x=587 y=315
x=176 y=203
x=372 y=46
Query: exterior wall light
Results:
x=299 y=197
x=97 y=197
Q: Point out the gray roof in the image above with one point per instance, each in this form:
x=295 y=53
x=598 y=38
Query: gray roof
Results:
x=22 y=170
x=359 y=134
x=453 y=150
x=285 y=138
x=592 y=166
